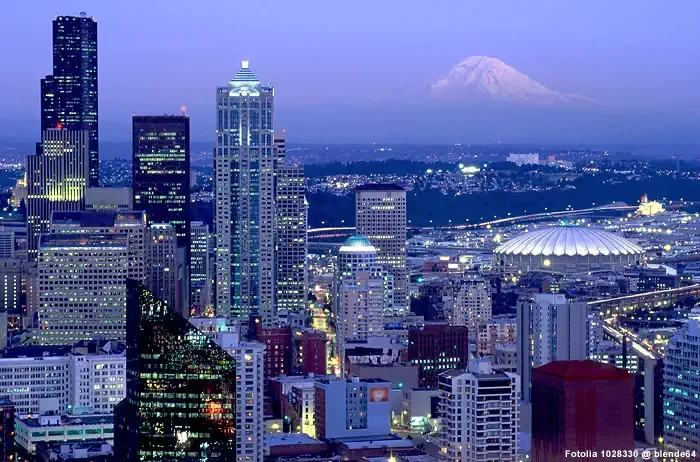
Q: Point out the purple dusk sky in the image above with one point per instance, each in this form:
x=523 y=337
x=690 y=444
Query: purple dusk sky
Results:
x=157 y=55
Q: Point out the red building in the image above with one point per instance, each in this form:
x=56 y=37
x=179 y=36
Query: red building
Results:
x=437 y=348
x=311 y=354
x=583 y=406
x=278 y=351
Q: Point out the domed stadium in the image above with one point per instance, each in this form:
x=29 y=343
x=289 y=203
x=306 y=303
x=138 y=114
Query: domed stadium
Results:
x=568 y=249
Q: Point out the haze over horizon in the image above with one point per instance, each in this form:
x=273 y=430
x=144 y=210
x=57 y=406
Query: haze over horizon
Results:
x=361 y=72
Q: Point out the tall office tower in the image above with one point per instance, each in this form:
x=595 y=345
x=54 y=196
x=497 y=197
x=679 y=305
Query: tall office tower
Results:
x=82 y=291
x=130 y=224
x=681 y=385
x=581 y=406
x=380 y=214
x=291 y=211
x=57 y=178
x=161 y=264
x=193 y=374
x=161 y=171
x=200 y=273
x=69 y=96
x=471 y=304
x=362 y=291
x=479 y=414
x=437 y=348
x=244 y=212
x=550 y=328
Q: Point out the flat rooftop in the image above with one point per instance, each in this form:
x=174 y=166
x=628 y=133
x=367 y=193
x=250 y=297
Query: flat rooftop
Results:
x=71 y=420
x=289 y=439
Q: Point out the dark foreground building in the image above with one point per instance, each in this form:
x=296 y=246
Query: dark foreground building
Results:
x=583 y=406
x=180 y=400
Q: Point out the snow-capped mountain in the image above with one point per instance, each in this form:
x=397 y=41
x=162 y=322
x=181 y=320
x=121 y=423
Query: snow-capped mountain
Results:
x=482 y=76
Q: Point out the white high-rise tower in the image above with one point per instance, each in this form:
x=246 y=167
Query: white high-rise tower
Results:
x=244 y=214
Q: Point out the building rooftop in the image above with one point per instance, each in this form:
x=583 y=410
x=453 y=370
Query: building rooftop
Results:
x=36 y=351
x=357 y=243
x=65 y=420
x=287 y=439
x=107 y=241
x=568 y=240
x=98 y=219
x=582 y=370
x=380 y=187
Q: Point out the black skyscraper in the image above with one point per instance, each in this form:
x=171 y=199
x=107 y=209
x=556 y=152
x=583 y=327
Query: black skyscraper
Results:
x=69 y=96
x=161 y=171
x=180 y=400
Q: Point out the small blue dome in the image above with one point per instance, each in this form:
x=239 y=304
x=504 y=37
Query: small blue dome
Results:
x=357 y=241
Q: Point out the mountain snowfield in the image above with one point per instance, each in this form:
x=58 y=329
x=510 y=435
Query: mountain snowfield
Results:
x=483 y=76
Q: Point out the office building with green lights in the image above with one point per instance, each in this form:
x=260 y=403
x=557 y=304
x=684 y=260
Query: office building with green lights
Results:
x=180 y=400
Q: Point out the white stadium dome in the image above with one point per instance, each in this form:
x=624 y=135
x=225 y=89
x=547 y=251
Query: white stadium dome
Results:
x=568 y=249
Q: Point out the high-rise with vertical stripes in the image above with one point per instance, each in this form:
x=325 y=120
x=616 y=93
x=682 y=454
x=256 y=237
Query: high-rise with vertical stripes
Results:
x=244 y=213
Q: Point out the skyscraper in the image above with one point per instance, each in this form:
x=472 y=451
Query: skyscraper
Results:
x=244 y=214
x=200 y=272
x=550 y=328
x=581 y=406
x=479 y=414
x=161 y=171
x=57 y=178
x=290 y=232
x=181 y=388
x=69 y=96
x=380 y=214
x=681 y=389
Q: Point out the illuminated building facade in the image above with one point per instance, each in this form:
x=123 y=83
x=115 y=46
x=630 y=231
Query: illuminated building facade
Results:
x=161 y=268
x=471 y=304
x=479 y=414
x=161 y=171
x=682 y=389
x=69 y=96
x=244 y=215
x=437 y=348
x=181 y=388
x=200 y=271
x=550 y=328
x=291 y=216
x=57 y=178
x=82 y=290
x=363 y=291
x=380 y=214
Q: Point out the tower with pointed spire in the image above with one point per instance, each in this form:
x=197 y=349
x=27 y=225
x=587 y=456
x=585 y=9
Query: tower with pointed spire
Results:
x=244 y=212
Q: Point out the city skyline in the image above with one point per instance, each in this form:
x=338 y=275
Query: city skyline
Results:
x=613 y=60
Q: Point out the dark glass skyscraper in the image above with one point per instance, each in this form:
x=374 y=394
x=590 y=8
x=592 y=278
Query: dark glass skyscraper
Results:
x=161 y=169
x=69 y=96
x=181 y=388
